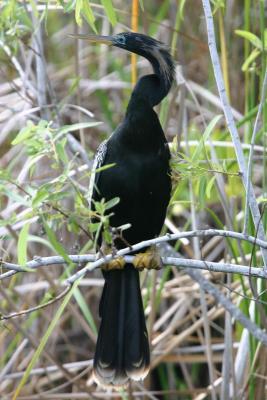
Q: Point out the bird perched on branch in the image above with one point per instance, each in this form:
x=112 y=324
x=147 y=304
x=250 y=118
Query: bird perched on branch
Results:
x=141 y=179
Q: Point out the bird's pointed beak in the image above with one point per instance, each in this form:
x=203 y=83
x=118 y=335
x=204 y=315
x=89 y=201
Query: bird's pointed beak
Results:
x=94 y=38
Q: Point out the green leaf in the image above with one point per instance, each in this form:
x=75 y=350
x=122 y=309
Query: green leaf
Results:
x=58 y=196
x=40 y=196
x=253 y=55
x=61 y=152
x=99 y=207
x=107 y=236
x=78 y=9
x=25 y=133
x=111 y=203
x=69 y=6
x=37 y=239
x=207 y=133
x=88 y=14
x=93 y=227
x=110 y=11
x=8 y=11
x=75 y=127
x=253 y=39
x=22 y=244
x=210 y=186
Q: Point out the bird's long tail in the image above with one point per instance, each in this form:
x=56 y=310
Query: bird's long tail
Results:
x=122 y=349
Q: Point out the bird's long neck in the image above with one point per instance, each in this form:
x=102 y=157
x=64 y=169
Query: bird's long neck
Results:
x=153 y=88
x=163 y=67
x=142 y=129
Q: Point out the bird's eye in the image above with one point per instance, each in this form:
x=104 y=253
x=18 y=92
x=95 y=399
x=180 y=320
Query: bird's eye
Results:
x=121 y=40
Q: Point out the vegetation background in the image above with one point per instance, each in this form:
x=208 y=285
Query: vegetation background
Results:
x=59 y=98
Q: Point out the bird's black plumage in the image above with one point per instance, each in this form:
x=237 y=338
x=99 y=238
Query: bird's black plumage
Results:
x=141 y=179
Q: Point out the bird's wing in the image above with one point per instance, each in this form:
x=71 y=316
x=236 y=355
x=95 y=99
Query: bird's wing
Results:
x=98 y=162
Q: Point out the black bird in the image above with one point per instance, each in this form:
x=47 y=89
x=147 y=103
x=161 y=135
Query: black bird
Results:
x=141 y=179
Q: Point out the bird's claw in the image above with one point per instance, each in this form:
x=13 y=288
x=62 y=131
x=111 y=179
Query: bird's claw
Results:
x=149 y=260
x=117 y=263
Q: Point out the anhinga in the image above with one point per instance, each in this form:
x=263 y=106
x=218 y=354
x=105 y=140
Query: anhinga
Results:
x=141 y=179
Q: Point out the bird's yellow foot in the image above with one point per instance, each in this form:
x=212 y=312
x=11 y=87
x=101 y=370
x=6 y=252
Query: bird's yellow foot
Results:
x=117 y=263
x=150 y=259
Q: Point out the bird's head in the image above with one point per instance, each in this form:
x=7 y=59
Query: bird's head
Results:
x=153 y=50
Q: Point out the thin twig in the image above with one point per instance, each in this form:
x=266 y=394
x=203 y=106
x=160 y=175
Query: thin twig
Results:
x=39 y=307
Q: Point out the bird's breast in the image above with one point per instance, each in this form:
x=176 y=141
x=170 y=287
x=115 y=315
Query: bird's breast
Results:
x=136 y=174
x=141 y=179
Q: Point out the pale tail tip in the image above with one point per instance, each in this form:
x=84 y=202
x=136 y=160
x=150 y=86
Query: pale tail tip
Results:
x=118 y=382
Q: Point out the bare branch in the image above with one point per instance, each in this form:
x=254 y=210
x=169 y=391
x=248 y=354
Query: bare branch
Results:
x=183 y=263
x=167 y=238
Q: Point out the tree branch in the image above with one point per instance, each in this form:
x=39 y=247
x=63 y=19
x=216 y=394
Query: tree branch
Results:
x=96 y=262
